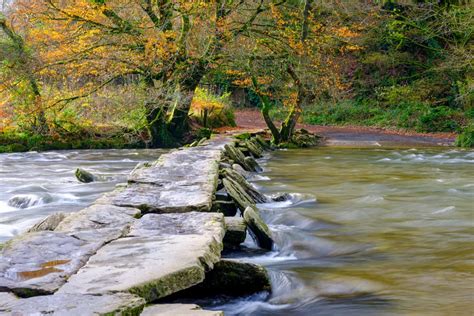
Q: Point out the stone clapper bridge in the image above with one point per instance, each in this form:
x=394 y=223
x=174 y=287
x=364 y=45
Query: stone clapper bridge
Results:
x=160 y=235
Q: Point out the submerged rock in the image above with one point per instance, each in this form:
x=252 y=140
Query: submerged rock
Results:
x=84 y=176
x=258 y=228
x=281 y=197
x=72 y=304
x=178 y=310
x=49 y=223
x=29 y=200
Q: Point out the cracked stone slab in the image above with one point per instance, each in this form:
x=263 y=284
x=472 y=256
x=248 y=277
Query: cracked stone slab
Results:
x=72 y=305
x=178 y=309
x=180 y=167
x=156 y=199
x=40 y=262
x=155 y=259
x=99 y=222
x=180 y=181
x=192 y=223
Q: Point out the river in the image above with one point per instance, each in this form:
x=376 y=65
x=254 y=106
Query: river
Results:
x=47 y=180
x=366 y=231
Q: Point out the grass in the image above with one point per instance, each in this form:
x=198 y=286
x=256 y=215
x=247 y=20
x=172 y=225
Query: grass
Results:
x=416 y=116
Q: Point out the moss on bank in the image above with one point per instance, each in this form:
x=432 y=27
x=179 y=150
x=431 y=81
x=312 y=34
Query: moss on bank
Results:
x=20 y=142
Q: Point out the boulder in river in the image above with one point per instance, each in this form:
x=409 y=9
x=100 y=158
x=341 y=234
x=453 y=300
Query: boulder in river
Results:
x=258 y=228
x=253 y=164
x=256 y=196
x=242 y=199
x=29 y=200
x=254 y=148
x=84 y=176
x=236 y=231
x=231 y=278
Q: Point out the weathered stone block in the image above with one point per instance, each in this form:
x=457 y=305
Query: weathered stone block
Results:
x=72 y=305
x=39 y=263
x=163 y=254
x=236 y=231
x=178 y=310
x=259 y=229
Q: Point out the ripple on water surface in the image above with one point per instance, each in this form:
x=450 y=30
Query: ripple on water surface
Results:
x=366 y=232
x=36 y=184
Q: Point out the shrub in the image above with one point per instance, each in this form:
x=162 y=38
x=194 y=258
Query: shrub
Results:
x=211 y=110
x=466 y=138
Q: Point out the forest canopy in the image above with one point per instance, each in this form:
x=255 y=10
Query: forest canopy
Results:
x=157 y=72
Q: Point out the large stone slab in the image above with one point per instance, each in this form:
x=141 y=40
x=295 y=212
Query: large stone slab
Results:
x=99 y=222
x=40 y=262
x=181 y=167
x=180 y=181
x=151 y=198
x=163 y=254
x=72 y=305
x=178 y=310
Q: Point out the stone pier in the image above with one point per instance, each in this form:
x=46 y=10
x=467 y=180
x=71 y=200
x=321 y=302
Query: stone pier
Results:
x=158 y=235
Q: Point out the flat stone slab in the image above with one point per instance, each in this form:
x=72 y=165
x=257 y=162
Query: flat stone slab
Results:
x=40 y=262
x=178 y=310
x=72 y=305
x=151 y=198
x=180 y=167
x=99 y=222
x=156 y=258
x=180 y=181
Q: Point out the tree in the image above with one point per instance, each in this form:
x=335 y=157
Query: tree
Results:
x=17 y=68
x=171 y=45
x=287 y=60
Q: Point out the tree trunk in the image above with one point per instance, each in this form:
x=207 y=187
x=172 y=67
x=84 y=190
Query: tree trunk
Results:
x=156 y=115
x=190 y=79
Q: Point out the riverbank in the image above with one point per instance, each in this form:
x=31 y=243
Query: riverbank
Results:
x=358 y=136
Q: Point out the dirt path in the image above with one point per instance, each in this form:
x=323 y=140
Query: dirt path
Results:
x=355 y=135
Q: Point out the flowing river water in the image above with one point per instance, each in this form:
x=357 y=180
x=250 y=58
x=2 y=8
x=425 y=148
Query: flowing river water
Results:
x=365 y=232
x=43 y=183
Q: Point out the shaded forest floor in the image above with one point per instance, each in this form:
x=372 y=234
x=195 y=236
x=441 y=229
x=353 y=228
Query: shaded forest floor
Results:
x=355 y=135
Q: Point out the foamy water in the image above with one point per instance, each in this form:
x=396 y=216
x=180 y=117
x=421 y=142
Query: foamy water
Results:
x=36 y=184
